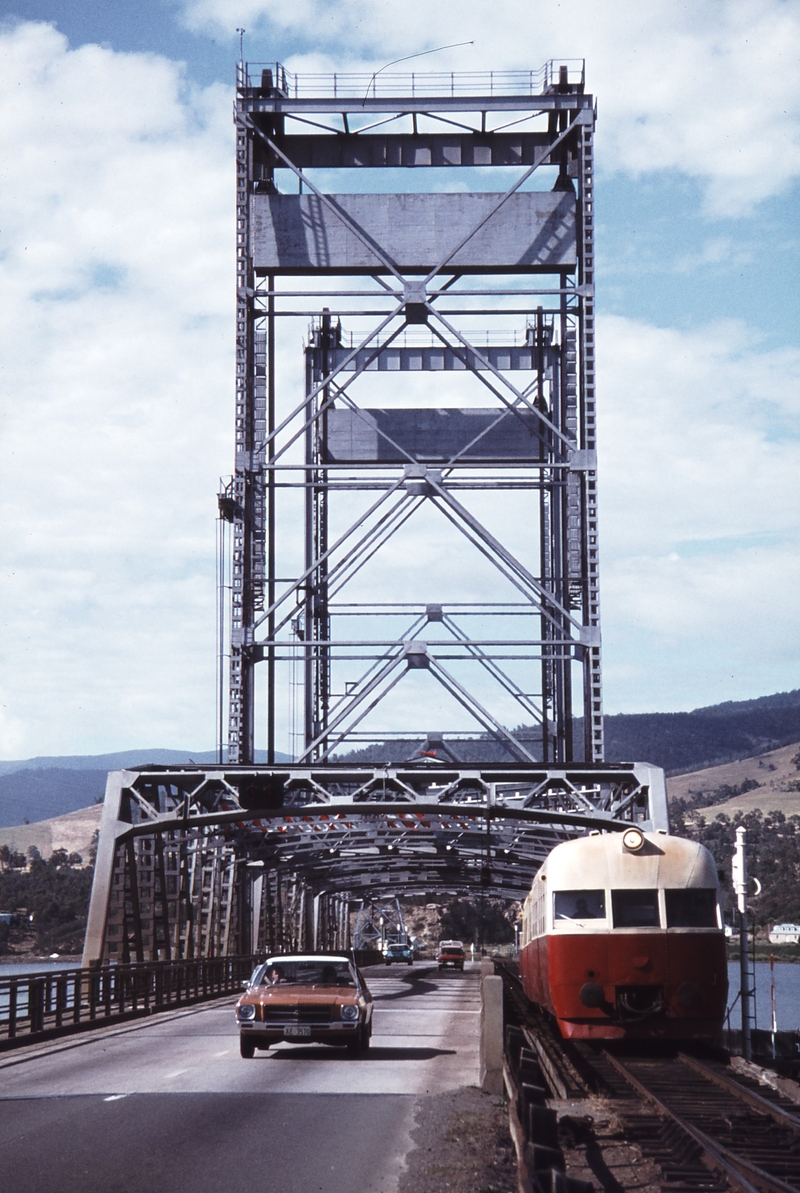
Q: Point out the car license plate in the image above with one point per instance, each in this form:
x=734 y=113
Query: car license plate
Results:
x=297 y=1032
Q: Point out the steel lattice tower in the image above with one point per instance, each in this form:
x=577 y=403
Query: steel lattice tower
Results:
x=388 y=281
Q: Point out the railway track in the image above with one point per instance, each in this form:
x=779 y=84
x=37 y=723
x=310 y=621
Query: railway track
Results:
x=708 y=1122
x=705 y=1129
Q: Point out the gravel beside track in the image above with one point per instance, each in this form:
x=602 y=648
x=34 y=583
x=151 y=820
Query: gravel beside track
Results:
x=461 y=1145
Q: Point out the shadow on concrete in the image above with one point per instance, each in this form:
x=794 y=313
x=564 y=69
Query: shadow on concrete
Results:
x=413 y=983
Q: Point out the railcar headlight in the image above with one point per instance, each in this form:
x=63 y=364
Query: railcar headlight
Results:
x=350 y=1012
x=246 y=1013
x=633 y=840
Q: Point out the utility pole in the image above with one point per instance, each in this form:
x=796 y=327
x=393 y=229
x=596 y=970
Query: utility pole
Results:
x=746 y=972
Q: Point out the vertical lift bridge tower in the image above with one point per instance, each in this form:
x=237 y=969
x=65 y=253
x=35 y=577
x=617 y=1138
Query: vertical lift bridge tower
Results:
x=496 y=234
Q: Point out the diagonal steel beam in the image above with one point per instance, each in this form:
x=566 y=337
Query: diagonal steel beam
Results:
x=468 y=701
x=326 y=200
x=326 y=555
x=503 y=552
x=519 y=395
x=497 y=672
x=546 y=152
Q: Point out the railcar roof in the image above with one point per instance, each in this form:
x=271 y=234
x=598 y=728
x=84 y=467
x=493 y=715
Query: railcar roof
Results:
x=601 y=861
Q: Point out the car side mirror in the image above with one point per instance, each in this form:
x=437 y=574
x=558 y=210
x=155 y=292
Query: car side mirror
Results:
x=246 y=984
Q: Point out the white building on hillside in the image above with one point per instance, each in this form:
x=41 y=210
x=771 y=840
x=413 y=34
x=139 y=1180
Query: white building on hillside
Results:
x=785 y=934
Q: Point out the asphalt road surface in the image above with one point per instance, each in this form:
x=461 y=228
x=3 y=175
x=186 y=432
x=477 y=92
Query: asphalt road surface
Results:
x=168 y=1104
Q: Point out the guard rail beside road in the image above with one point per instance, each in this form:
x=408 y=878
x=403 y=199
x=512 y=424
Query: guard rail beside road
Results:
x=37 y=1006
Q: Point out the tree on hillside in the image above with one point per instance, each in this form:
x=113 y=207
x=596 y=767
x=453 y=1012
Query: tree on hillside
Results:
x=773 y=856
x=472 y=920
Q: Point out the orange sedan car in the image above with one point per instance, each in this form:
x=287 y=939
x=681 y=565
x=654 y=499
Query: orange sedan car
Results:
x=305 y=999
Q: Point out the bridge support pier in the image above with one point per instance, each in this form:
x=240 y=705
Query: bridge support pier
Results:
x=491 y=1047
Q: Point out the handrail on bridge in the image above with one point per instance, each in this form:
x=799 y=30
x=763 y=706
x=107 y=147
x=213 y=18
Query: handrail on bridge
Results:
x=38 y=1006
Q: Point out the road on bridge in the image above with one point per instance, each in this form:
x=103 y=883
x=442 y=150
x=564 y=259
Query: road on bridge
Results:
x=167 y=1103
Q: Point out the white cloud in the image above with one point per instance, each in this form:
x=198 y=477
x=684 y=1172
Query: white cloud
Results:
x=117 y=250
x=700 y=533
x=697 y=433
x=709 y=89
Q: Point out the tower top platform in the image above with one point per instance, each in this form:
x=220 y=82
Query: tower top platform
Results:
x=555 y=81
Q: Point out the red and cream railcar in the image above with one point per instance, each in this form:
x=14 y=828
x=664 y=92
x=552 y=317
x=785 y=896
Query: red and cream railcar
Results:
x=622 y=938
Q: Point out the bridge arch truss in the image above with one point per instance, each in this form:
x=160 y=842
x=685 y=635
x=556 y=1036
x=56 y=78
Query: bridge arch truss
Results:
x=217 y=861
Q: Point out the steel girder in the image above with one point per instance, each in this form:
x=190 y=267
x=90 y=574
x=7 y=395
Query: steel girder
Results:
x=207 y=861
x=280 y=611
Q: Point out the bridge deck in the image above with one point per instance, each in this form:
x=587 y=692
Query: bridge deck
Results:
x=169 y=1104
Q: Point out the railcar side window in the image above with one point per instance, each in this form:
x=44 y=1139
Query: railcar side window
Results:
x=580 y=905
x=635 y=909
x=692 y=908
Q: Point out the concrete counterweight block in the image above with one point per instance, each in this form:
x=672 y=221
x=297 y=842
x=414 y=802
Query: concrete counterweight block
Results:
x=491 y=1050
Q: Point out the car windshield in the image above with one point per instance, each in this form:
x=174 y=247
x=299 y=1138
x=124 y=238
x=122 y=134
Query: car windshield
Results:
x=456 y=952
x=304 y=973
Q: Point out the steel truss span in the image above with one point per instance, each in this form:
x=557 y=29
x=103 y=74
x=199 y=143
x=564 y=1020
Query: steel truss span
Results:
x=446 y=382
x=216 y=861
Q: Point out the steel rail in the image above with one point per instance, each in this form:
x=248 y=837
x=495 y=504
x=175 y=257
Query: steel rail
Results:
x=745 y=1175
x=730 y=1085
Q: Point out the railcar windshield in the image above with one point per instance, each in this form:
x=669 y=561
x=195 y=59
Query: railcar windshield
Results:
x=695 y=907
x=579 y=905
x=635 y=909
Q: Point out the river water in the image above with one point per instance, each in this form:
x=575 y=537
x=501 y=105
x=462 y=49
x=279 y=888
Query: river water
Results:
x=14 y=969
x=787 y=995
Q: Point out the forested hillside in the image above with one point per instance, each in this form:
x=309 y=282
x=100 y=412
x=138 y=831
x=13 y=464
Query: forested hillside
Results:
x=678 y=741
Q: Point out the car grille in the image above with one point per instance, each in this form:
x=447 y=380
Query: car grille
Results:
x=313 y=1014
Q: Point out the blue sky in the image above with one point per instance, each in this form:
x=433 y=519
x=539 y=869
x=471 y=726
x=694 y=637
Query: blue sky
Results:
x=116 y=266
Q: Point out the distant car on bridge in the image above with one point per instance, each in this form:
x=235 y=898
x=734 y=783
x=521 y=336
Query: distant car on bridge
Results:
x=305 y=999
x=451 y=954
x=398 y=952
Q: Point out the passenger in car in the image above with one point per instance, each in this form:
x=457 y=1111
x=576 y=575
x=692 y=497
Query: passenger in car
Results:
x=329 y=975
x=275 y=975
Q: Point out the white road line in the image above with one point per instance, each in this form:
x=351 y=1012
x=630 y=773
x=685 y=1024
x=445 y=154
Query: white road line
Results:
x=177 y=1073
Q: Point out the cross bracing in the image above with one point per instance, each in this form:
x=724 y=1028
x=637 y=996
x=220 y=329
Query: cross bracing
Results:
x=337 y=467
x=196 y=861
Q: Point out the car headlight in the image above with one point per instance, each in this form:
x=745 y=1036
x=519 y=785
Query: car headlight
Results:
x=246 y=1013
x=350 y=1012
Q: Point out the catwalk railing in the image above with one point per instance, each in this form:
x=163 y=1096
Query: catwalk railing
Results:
x=275 y=76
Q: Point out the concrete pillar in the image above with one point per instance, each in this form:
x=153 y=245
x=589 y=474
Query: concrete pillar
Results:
x=491 y=1045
